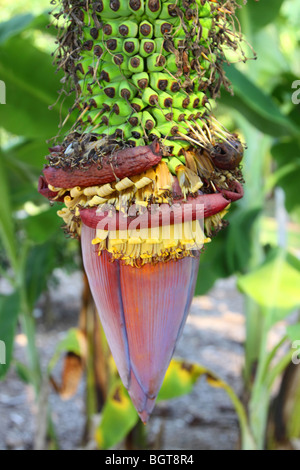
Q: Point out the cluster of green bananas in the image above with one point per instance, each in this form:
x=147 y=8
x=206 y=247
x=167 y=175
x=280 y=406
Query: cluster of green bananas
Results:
x=146 y=69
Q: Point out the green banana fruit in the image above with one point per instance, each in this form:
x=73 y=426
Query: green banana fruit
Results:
x=147 y=47
x=140 y=80
x=153 y=8
x=150 y=67
x=128 y=29
x=136 y=64
x=145 y=30
x=131 y=46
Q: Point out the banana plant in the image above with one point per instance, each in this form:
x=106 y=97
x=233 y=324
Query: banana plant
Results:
x=144 y=162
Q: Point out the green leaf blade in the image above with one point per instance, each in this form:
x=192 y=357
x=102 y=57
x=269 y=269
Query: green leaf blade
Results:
x=9 y=310
x=118 y=418
x=274 y=285
x=7 y=232
x=257 y=106
x=29 y=94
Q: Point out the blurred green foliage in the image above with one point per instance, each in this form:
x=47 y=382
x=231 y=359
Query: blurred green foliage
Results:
x=30 y=230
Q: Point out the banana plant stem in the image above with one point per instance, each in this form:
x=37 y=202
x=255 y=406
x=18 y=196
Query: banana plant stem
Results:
x=260 y=396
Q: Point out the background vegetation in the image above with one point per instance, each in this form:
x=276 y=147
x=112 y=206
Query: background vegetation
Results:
x=261 y=245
